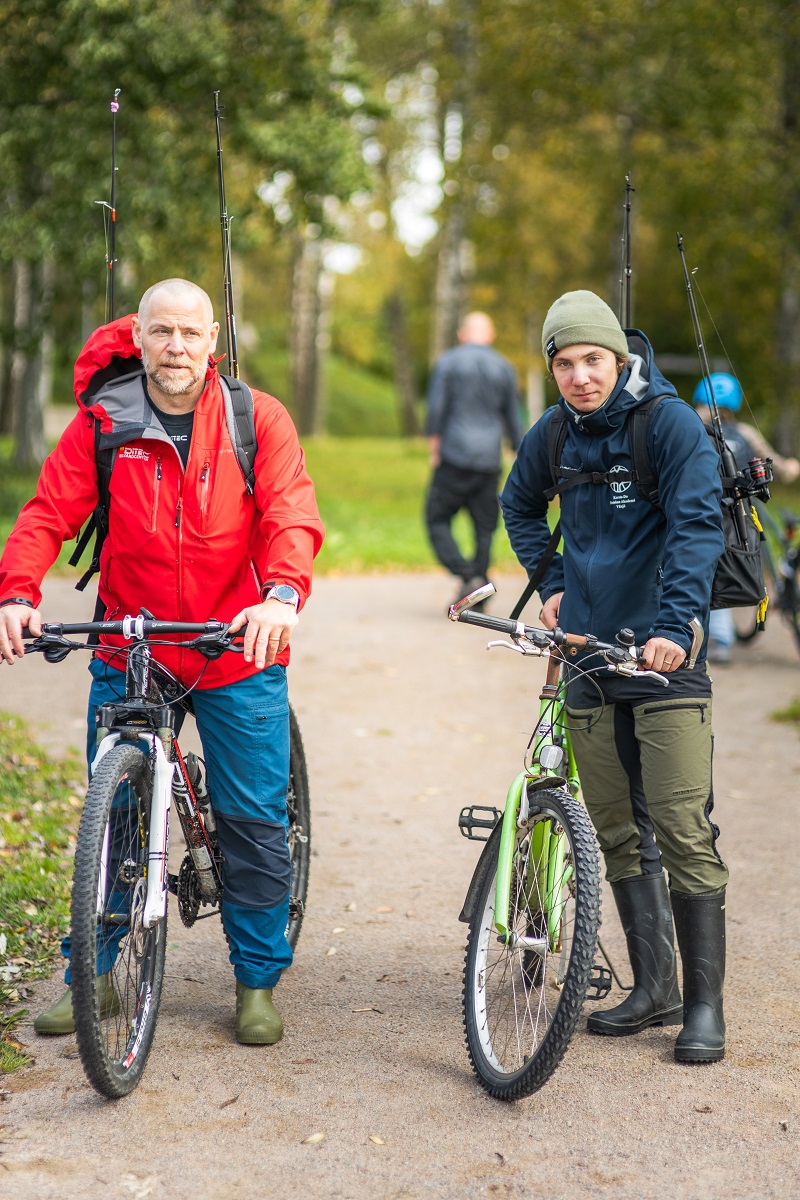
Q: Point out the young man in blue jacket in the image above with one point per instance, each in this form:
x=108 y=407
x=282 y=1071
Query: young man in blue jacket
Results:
x=643 y=750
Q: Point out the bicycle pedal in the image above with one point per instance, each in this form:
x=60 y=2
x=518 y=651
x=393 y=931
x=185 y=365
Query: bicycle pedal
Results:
x=468 y=822
x=599 y=983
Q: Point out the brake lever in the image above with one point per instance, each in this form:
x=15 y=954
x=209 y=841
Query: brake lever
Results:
x=528 y=649
x=633 y=672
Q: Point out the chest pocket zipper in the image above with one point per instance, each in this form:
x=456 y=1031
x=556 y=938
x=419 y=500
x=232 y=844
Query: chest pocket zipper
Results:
x=156 y=490
x=205 y=488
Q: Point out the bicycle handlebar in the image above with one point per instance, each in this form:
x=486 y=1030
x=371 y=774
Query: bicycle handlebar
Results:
x=213 y=637
x=544 y=638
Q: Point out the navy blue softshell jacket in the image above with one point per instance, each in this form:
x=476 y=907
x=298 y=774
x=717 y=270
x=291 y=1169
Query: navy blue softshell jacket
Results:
x=625 y=562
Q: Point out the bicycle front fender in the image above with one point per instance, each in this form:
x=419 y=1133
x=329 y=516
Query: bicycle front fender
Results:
x=482 y=868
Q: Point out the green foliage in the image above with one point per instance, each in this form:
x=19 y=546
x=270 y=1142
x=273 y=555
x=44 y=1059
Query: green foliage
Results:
x=40 y=801
x=371 y=494
x=790 y=714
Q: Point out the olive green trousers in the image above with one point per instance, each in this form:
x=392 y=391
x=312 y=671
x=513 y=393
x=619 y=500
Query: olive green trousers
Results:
x=645 y=771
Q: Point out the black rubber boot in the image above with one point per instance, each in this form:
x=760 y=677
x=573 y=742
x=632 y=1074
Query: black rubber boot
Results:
x=646 y=917
x=700 y=926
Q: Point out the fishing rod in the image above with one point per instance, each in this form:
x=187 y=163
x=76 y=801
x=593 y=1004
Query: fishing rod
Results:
x=754 y=480
x=225 y=224
x=111 y=205
x=626 y=268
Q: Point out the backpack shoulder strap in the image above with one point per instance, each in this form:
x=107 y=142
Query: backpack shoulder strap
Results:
x=642 y=469
x=556 y=437
x=241 y=426
x=104 y=457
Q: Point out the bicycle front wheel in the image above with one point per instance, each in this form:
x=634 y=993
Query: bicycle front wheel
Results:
x=523 y=992
x=298 y=806
x=116 y=964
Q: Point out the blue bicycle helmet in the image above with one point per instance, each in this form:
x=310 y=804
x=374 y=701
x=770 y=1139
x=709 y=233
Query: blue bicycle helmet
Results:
x=727 y=392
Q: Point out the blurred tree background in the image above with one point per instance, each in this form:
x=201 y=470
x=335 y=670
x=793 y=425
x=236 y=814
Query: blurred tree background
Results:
x=391 y=164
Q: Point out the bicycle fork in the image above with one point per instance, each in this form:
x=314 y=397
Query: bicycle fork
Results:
x=155 y=901
x=546 y=872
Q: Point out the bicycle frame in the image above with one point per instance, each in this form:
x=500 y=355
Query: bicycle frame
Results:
x=168 y=776
x=547 y=859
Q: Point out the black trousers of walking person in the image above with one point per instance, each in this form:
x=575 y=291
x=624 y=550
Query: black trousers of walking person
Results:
x=453 y=488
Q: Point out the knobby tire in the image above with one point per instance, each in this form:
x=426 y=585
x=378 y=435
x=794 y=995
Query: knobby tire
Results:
x=299 y=809
x=115 y=1030
x=521 y=1006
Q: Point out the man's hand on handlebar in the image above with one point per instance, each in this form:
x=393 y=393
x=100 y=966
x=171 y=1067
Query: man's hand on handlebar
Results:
x=13 y=619
x=269 y=627
x=660 y=654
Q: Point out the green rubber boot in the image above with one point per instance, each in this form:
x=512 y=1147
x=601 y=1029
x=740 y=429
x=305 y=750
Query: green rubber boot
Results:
x=59 y=1019
x=258 y=1022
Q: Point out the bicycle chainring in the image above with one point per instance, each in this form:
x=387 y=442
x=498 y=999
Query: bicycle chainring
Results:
x=189 y=894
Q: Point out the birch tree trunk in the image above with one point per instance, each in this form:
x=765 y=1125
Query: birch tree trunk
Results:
x=408 y=420
x=28 y=371
x=304 y=335
x=450 y=284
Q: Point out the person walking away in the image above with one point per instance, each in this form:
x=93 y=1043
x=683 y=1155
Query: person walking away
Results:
x=643 y=750
x=188 y=540
x=472 y=402
x=745 y=442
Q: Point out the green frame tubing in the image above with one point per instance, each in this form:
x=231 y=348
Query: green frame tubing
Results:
x=548 y=849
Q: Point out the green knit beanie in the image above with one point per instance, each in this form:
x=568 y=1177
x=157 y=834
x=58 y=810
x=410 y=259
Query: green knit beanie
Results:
x=581 y=318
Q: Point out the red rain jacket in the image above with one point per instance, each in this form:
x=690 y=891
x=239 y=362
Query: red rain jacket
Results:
x=189 y=545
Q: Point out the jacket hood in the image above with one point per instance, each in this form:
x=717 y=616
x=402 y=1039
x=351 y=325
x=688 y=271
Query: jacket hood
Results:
x=108 y=354
x=637 y=383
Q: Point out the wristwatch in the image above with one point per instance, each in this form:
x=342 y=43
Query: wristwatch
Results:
x=284 y=593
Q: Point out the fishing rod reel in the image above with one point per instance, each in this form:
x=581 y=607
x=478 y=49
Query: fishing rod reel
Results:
x=754 y=479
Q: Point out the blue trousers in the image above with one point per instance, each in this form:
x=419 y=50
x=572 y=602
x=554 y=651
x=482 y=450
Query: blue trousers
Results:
x=244 y=731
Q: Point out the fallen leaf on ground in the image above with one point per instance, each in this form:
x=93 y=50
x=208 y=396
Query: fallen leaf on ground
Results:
x=313 y=1139
x=373 y=1137
x=15 y=1043
x=331 y=951
x=340 y=929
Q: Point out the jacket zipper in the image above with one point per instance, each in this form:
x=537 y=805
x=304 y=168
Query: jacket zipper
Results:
x=204 y=490
x=672 y=708
x=156 y=490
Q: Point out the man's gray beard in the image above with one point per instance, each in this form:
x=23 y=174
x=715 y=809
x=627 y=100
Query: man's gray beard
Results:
x=167 y=382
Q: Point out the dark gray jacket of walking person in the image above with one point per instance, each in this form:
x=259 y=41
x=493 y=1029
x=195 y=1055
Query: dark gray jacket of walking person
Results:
x=472 y=401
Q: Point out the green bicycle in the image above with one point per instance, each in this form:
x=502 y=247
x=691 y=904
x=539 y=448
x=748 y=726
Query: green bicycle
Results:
x=533 y=905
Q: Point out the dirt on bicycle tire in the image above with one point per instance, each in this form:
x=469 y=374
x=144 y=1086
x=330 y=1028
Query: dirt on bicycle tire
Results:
x=405 y=719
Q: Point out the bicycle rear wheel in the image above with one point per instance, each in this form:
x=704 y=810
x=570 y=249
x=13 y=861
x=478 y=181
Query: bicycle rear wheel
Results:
x=116 y=964
x=523 y=995
x=299 y=809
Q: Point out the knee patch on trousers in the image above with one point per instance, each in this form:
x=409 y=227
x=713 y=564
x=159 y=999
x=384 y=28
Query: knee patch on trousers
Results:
x=256 y=869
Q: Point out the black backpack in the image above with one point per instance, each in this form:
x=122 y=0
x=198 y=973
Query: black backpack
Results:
x=240 y=420
x=739 y=577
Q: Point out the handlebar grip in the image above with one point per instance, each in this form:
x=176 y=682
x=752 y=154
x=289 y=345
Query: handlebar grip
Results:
x=498 y=624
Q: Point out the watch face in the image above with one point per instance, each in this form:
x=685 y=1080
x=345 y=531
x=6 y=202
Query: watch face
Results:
x=283 y=592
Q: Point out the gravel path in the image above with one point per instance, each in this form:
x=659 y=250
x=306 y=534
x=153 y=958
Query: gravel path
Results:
x=406 y=719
